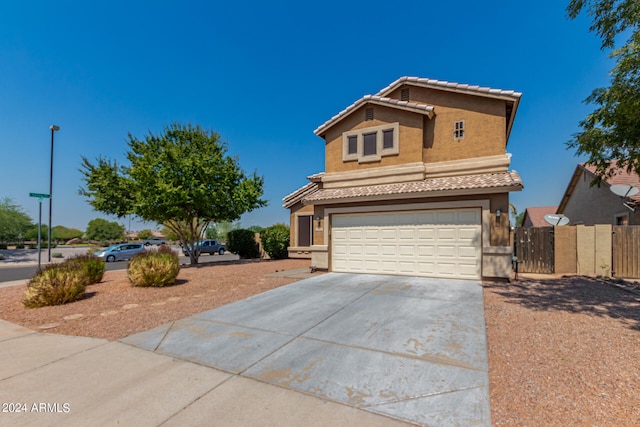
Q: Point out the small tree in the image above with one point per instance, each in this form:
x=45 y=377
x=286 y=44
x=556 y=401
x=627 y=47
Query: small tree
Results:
x=182 y=178
x=275 y=241
x=60 y=232
x=101 y=229
x=13 y=221
x=243 y=243
x=145 y=234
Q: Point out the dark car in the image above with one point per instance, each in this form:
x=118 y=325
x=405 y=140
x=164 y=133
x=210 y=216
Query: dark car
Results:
x=208 y=247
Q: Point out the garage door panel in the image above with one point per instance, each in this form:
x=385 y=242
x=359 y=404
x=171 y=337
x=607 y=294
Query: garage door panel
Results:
x=426 y=250
x=468 y=233
x=435 y=243
x=372 y=250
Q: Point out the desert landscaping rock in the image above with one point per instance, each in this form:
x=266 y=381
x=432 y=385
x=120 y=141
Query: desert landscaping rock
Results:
x=74 y=316
x=48 y=326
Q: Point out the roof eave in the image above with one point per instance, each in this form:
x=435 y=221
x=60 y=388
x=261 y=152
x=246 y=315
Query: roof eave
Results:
x=415 y=195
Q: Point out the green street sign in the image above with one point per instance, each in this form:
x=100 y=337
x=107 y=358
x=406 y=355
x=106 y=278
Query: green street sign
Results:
x=40 y=196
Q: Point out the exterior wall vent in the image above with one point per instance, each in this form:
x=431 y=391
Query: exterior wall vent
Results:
x=404 y=94
x=368 y=114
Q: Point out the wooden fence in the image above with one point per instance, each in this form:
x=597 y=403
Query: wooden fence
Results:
x=626 y=251
x=534 y=249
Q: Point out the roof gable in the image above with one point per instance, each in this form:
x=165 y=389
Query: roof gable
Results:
x=375 y=100
x=536 y=214
x=618 y=176
x=511 y=97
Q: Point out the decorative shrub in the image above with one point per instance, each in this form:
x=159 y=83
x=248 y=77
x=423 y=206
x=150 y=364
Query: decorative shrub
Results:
x=56 y=284
x=1 y=257
x=154 y=268
x=243 y=243
x=92 y=265
x=275 y=240
x=3 y=246
x=57 y=255
x=19 y=246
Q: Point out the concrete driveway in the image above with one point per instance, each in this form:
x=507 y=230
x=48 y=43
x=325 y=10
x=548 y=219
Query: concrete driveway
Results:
x=413 y=349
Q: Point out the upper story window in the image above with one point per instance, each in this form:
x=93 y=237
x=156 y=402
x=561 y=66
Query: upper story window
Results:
x=458 y=129
x=371 y=144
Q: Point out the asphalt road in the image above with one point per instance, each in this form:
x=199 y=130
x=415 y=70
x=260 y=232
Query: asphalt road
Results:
x=20 y=272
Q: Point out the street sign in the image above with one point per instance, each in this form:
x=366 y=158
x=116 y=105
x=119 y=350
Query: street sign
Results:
x=40 y=196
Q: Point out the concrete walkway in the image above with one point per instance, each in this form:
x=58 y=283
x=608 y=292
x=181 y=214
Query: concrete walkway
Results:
x=337 y=349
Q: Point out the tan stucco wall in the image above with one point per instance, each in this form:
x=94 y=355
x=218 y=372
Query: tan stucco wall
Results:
x=484 y=119
x=294 y=251
x=410 y=138
x=595 y=205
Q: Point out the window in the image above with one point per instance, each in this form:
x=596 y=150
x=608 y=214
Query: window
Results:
x=353 y=145
x=622 y=219
x=458 y=130
x=305 y=231
x=387 y=139
x=369 y=147
x=371 y=144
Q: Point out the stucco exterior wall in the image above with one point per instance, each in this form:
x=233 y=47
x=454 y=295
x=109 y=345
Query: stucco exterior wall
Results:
x=410 y=138
x=596 y=205
x=295 y=251
x=484 y=120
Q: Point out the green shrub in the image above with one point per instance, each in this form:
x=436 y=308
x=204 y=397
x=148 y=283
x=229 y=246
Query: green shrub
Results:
x=243 y=243
x=3 y=246
x=19 y=246
x=154 y=268
x=56 y=284
x=56 y=255
x=1 y=257
x=275 y=240
x=92 y=265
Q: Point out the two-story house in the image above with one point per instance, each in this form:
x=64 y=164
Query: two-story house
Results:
x=416 y=183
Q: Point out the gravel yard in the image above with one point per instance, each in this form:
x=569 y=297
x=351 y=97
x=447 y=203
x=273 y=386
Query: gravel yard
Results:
x=562 y=352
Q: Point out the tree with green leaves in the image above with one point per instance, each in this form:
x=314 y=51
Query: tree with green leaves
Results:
x=612 y=131
x=13 y=221
x=60 y=232
x=101 y=229
x=182 y=178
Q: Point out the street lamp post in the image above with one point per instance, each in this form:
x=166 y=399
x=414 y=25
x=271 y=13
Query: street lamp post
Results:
x=53 y=129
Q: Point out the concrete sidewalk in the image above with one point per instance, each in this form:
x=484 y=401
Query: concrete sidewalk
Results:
x=53 y=380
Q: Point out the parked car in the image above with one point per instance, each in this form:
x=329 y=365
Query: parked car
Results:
x=120 y=252
x=154 y=241
x=208 y=247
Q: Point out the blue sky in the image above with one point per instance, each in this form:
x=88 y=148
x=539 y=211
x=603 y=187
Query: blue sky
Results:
x=264 y=75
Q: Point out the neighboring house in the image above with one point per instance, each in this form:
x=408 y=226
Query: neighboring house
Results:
x=589 y=205
x=534 y=216
x=416 y=183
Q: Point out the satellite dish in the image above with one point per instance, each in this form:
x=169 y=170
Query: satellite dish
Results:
x=624 y=190
x=556 y=219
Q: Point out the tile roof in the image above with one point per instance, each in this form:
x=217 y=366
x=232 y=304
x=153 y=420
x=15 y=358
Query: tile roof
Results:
x=293 y=198
x=507 y=180
x=536 y=215
x=456 y=87
x=374 y=99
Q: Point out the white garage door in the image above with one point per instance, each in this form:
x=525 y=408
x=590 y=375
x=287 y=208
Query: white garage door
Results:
x=433 y=243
